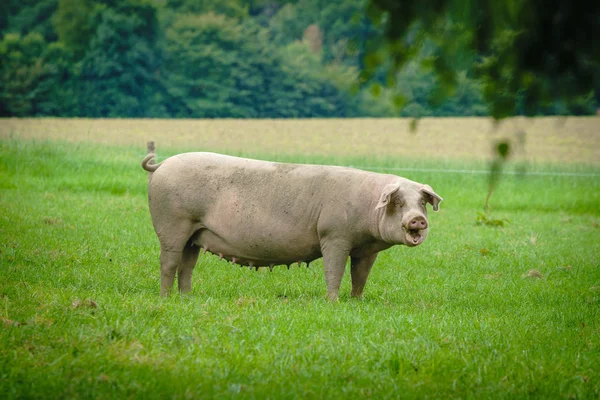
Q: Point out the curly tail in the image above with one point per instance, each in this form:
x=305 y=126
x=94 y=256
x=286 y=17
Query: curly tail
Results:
x=148 y=163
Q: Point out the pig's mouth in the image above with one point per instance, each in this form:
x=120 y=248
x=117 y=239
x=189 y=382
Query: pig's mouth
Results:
x=414 y=237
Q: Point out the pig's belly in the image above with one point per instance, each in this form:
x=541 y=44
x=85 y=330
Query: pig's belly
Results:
x=265 y=249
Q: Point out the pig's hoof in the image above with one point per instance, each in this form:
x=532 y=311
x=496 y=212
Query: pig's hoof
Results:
x=333 y=298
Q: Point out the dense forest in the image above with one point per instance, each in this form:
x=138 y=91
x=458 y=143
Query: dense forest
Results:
x=212 y=59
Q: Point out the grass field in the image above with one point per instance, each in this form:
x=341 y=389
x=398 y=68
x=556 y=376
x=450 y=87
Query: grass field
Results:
x=477 y=311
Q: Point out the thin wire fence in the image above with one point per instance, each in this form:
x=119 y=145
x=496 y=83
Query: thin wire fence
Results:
x=480 y=171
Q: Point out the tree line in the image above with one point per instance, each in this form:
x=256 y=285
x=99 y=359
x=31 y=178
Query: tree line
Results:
x=214 y=59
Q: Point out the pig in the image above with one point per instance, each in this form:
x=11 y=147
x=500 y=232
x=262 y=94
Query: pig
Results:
x=258 y=213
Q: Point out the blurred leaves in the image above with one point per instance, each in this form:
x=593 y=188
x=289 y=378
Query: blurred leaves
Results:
x=502 y=149
x=502 y=152
x=487 y=220
x=528 y=54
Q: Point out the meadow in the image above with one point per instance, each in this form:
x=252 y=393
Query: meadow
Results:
x=504 y=309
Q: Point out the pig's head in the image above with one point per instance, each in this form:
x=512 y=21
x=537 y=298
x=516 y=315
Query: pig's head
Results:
x=402 y=212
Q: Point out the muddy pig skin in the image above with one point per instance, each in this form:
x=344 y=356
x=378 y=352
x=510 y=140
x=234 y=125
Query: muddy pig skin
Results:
x=259 y=213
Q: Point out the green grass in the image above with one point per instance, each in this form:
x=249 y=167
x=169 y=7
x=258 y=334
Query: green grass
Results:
x=477 y=311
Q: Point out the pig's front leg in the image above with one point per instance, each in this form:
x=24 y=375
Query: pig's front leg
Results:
x=335 y=254
x=361 y=266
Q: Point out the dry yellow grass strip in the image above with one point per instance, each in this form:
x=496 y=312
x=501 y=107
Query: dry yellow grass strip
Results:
x=572 y=139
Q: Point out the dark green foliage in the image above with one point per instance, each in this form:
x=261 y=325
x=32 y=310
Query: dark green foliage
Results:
x=342 y=25
x=117 y=70
x=214 y=68
x=228 y=8
x=279 y=59
x=18 y=73
x=27 y=16
x=73 y=23
x=531 y=56
x=57 y=86
x=34 y=76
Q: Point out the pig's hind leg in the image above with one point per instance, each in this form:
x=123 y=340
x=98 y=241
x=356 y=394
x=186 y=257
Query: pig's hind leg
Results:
x=186 y=267
x=169 y=263
x=177 y=255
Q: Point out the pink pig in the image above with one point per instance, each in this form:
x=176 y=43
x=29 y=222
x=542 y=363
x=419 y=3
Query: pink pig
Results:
x=260 y=213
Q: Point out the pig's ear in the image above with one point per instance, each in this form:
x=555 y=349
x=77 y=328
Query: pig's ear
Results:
x=386 y=194
x=432 y=197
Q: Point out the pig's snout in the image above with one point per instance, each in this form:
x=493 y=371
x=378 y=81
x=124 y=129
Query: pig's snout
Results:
x=415 y=230
x=417 y=223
